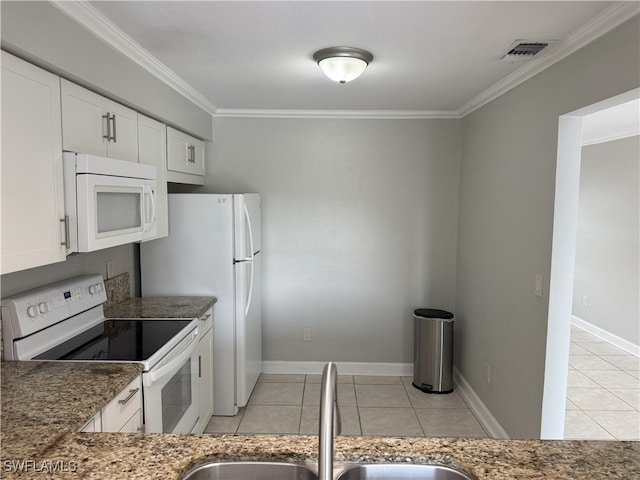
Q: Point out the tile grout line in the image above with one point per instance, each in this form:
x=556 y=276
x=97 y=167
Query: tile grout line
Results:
x=603 y=387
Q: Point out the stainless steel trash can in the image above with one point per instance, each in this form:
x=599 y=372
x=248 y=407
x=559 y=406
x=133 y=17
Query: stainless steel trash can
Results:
x=433 y=350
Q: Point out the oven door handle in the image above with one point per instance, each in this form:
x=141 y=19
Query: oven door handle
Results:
x=177 y=360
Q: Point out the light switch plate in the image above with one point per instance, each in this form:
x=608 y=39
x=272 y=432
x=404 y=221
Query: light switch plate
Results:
x=306 y=334
x=109 y=269
x=538 y=288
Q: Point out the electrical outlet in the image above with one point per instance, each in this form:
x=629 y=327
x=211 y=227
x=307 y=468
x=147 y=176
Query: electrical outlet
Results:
x=487 y=373
x=538 y=288
x=306 y=334
x=585 y=301
x=109 y=268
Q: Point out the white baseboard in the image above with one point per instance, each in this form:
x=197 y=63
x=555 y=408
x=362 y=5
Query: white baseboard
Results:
x=344 y=368
x=480 y=410
x=608 y=337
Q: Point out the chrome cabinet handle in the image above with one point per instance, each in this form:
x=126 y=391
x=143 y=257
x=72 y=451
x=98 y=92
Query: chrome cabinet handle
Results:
x=199 y=366
x=191 y=156
x=113 y=137
x=132 y=394
x=111 y=120
x=107 y=117
x=66 y=242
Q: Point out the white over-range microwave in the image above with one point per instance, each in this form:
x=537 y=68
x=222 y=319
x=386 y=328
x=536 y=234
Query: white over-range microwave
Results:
x=107 y=202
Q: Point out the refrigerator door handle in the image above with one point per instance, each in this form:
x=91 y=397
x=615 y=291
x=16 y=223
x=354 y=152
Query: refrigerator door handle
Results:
x=250 y=294
x=249 y=259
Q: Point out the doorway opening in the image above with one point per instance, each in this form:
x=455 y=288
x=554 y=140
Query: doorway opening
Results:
x=563 y=262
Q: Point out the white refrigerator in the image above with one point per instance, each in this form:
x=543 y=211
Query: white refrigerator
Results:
x=213 y=249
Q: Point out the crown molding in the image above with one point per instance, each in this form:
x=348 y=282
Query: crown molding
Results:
x=88 y=16
x=606 y=21
x=353 y=114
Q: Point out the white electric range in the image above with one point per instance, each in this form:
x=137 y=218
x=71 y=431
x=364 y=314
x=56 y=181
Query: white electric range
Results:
x=64 y=321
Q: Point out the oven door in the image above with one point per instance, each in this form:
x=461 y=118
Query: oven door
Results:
x=171 y=391
x=113 y=211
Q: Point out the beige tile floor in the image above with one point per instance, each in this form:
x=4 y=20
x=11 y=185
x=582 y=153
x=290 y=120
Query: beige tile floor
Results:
x=603 y=391
x=369 y=405
x=603 y=402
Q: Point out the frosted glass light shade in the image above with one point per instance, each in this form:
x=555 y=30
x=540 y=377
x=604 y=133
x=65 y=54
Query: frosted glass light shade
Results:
x=342 y=64
x=342 y=69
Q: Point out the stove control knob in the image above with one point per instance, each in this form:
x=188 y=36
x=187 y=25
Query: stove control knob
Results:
x=43 y=307
x=32 y=311
x=93 y=289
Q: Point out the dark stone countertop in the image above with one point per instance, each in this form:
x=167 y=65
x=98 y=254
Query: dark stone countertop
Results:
x=45 y=403
x=160 y=307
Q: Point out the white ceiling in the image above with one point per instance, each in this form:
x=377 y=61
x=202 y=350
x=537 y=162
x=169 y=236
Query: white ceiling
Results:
x=438 y=57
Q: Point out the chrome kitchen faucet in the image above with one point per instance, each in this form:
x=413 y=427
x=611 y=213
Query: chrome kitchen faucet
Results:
x=330 y=424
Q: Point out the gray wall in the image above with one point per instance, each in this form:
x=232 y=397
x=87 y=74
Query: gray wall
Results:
x=125 y=259
x=41 y=33
x=505 y=223
x=607 y=248
x=359 y=228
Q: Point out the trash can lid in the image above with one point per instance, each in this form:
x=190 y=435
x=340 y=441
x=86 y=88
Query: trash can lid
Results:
x=432 y=313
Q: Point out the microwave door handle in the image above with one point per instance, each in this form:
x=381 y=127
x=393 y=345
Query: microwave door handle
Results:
x=153 y=207
x=178 y=360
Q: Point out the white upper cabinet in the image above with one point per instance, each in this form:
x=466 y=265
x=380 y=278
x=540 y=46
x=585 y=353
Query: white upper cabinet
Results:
x=33 y=228
x=152 y=150
x=185 y=158
x=94 y=124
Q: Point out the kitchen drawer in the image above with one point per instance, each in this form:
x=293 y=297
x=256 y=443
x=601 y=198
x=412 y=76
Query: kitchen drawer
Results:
x=118 y=412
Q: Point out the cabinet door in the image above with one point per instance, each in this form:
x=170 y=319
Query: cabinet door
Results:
x=117 y=414
x=205 y=347
x=124 y=132
x=84 y=123
x=199 y=156
x=32 y=195
x=152 y=150
x=94 y=124
x=185 y=154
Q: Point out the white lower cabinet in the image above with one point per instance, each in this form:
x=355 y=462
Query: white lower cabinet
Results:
x=122 y=414
x=205 y=370
x=93 y=425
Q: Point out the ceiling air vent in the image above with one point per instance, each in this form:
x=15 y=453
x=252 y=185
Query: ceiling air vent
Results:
x=524 y=50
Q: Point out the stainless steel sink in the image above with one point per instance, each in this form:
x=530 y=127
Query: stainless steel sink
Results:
x=399 y=471
x=296 y=471
x=250 y=471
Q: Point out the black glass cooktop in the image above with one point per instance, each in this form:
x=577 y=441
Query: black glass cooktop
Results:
x=115 y=339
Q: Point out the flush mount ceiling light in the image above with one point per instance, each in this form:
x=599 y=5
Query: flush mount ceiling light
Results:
x=342 y=64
